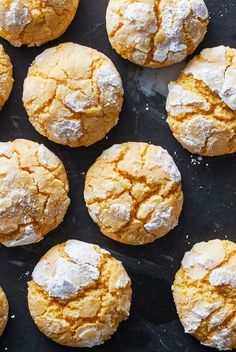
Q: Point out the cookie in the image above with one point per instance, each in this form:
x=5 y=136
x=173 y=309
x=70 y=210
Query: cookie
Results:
x=156 y=33
x=79 y=294
x=201 y=103
x=73 y=95
x=33 y=192
x=6 y=79
x=35 y=22
x=204 y=292
x=133 y=192
x=4 y=310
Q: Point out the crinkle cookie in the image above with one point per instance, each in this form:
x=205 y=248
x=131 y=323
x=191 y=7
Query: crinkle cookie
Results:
x=35 y=22
x=205 y=293
x=133 y=192
x=73 y=95
x=6 y=80
x=201 y=103
x=156 y=33
x=33 y=192
x=4 y=310
x=79 y=294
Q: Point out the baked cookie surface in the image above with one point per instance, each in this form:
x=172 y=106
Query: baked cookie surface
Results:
x=33 y=192
x=6 y=79
x=4 y=310
x=133 y=192
x=201 y=103
x=156 y=33
x=73 y=95
x=35 y=22
x=204 y=292
x=79 y=294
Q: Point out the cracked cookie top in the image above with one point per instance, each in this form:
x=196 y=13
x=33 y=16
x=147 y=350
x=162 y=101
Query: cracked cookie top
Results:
x=156 y=33
x=4 y=310
x=33 y=192
x=6 y=79
x=79 y=294
x=35 y=22
x=204 y=292
x=201 y=103
x=133 y=192
x=73 y=95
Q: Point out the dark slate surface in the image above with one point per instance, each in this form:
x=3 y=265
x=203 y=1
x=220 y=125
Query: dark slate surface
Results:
x=209 y=210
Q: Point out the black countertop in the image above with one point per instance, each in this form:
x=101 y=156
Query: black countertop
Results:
x=209 y=185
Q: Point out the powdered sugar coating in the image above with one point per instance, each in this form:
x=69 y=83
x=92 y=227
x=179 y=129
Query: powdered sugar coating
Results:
x=166 y=162
x=181 y=100
x=199 y=313
x=156 y=33
x=216 y=73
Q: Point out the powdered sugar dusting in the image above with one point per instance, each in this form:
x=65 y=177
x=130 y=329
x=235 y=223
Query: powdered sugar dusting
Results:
x=203 y=257
x=225 y=275
x=166 y=162
x=29 y=235
x=47 y=158
x=120 y=211
x=216 y=73
x=181 y=100
x=17 y=17
x=200 y=311
x=196 y=132
x=162 y=220
x=82 y=253
x=78 y=101
x=67 y=130
x=62 y=278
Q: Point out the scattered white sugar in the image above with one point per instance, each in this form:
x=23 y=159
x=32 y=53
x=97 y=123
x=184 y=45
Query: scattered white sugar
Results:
x=13 y=316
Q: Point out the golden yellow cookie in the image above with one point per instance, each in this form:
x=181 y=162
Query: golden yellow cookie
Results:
x=35 y=22
x=4 y=310
x=156 y=33
x=33 y=192
x=73 y=95
x=79 y=294
x=133 y=192
x=205 y=293
x=201 y=103
x=6 y=80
